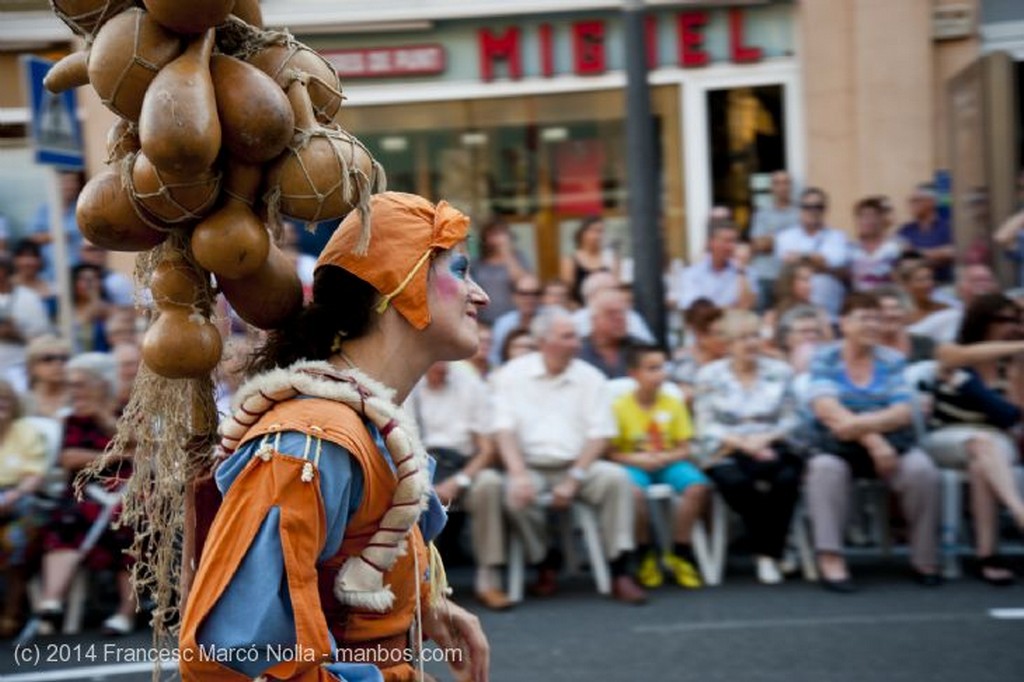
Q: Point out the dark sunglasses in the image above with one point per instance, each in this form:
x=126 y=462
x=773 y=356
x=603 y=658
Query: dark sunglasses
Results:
x=52 y=358
x=813 y=207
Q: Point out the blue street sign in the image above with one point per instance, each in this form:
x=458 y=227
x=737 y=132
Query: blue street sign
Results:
x=56 y=132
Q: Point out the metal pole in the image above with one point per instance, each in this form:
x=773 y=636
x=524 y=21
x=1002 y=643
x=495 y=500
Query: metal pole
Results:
x=61 y=257
x=642 y=172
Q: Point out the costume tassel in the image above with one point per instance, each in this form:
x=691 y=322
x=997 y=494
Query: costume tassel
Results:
x=439 y=588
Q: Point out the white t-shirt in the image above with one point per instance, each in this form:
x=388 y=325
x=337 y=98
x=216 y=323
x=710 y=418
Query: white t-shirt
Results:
x=943 y=326
x=868 y=271
x=552 y=416
x=450 y=416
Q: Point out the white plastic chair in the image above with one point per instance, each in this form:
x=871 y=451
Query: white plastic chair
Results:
x=580 y=515
x=708 y=551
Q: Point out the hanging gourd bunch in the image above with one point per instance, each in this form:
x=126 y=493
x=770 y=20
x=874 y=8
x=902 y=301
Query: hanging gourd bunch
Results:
x=223 y=129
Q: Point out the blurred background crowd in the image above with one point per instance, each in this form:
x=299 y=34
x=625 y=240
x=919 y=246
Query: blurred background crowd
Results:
x=801 y=363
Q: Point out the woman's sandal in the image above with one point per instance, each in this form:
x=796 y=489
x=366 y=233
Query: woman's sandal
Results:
x=995 y=562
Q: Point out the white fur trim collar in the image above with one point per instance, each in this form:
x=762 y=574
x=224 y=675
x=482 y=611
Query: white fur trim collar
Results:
x=360 y=582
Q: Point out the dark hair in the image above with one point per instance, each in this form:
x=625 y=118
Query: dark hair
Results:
x=636 y=352
x=342 y=304
x=89 y=267
x=860 y=300
x=510 y=338
x=27 y=246
x=815 y=190
x=873 y=203
x=485 y=232
x=701 y=314
x=907 y=256
x=585 y=224
x=979 y=316
x=910 y=266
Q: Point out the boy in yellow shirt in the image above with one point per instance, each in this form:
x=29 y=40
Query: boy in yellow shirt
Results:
x=653 y=444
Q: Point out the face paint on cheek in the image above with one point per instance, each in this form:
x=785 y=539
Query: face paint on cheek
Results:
x=446 y=285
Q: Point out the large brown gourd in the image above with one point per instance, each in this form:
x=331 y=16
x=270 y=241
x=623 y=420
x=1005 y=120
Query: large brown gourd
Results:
x=249 y=11
x=106 y=217
x=70 y=72
x=232 y=242
x=169 y=200
x=269 y=296
x=324 y=173
x=126 y=56
x=282 y=61
x=178 y=125
x=255 y=115
x=190 y=17
x=181 y=343
x=86 y=17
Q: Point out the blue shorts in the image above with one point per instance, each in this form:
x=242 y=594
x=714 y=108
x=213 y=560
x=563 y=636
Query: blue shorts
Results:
x=679 y=475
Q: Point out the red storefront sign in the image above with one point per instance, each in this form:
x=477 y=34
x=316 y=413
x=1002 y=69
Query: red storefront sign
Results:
x=385 y=62
x=589 y=49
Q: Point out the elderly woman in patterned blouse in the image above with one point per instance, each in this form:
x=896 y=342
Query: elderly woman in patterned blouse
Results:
x=745 y=415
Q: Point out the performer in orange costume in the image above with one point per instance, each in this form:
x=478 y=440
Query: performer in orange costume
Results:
x=316 y=566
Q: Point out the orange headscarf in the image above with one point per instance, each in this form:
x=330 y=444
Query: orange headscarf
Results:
x=407 y=230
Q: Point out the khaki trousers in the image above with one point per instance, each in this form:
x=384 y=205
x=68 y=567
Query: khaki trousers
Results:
x=607 y=487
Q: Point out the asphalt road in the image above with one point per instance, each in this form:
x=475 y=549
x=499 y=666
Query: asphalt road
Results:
x=892 y=631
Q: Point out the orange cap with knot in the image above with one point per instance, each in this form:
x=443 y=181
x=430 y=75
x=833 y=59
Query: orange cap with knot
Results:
x=406 y=231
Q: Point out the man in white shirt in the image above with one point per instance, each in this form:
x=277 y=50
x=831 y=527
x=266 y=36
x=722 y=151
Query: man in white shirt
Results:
x=717 y=277
x=452 y=407
x=823 y=248
x=553 y=419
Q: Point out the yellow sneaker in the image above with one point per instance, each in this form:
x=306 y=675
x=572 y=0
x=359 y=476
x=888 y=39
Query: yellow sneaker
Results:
x=683 y=571
x=649 y=575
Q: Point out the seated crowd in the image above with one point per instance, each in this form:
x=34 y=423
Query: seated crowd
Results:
x=870 y=359
x=806 y=361
x=59 y=404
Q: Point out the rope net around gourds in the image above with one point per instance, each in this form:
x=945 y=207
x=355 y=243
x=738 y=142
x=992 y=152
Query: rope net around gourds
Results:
x=86 y=23
x=341 y=148
x=166 y=190
x=245 y=42
x=137 y=60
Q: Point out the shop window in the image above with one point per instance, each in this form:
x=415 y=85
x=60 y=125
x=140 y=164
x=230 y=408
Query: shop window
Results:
x=747 y=134
x=539 y=163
